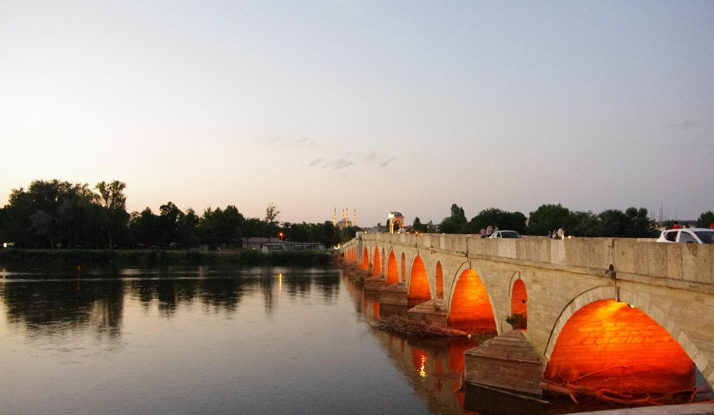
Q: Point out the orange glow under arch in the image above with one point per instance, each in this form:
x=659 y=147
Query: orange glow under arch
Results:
x=365 y=259
x=519 y=299
x=610 y=345
x=470 y=306
x=419 y=290
x=439 y=281
x=377 y=263
x=392 y=272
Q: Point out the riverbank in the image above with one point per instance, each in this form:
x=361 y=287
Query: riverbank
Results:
x=121 y=258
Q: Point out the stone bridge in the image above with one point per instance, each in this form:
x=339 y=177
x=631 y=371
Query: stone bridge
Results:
x=632 y=315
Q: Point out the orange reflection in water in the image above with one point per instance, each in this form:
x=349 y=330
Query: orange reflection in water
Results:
x=608 y=345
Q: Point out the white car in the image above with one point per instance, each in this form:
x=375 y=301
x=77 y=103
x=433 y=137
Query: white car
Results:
x=688 y=236
x=505 y=235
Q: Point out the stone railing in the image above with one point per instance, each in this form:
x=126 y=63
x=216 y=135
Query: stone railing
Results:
x=685 y=262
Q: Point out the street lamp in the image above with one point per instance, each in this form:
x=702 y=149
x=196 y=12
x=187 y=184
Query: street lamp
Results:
x=281 y=236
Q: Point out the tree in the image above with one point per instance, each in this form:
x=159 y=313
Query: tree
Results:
x=613 y=223
x=548 y=218
x=639 y=226
x=271 y=213
x=418 y=226
x=584 y=224
x=114 y=202
x=705 y=219
x=188 y=229
x=454 y=223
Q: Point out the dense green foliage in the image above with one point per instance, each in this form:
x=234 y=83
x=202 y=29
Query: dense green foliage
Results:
x=706 y=219
x=457 y=223
x=56 y=214
x=632 y=223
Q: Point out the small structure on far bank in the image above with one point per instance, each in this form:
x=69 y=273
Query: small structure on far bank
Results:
x=396 y=222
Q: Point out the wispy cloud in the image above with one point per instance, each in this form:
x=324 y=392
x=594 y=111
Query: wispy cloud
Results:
x=339 y=164
x=684 y=124
x=316 y=162
x=378 y=159
x=302 y=140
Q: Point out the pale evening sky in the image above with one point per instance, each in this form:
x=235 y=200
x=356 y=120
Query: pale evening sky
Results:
x=373 y=105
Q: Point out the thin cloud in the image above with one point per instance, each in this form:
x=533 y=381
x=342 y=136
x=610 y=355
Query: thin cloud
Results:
x=340 y=164
x=316 y=162
x=378 y=159
x=302 y=140
x=684 y=124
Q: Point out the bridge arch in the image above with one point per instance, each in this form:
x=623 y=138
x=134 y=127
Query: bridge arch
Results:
x=418 y=284
x=596 y=332
x=439 y=280
x=519 y=303
x=365 y=259
x=392 y=269
x=470 y=307
x=376 y=262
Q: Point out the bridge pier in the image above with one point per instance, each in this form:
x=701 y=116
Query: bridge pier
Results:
x=430 y=312
x=506 y=363
x=395 y=294
x=374 y=283
x=393 y=300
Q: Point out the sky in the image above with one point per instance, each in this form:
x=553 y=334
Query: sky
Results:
x=372 y=105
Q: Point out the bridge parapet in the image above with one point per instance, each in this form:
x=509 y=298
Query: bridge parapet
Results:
x=685 y=266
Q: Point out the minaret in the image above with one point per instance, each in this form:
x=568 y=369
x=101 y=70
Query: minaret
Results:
x=334 y=217
x=354 y=217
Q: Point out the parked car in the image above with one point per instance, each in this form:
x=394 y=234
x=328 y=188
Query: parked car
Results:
x=688 y=236
x=505 y=235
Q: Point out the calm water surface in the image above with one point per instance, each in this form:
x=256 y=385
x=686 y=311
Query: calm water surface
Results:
x=211 y=340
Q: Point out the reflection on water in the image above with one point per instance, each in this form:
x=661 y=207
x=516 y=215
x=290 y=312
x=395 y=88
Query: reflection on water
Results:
x=434 y=365
x=214 y=340
x=192 y=340
x=53 y=304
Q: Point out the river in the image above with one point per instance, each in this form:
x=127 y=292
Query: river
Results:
x=217 y=340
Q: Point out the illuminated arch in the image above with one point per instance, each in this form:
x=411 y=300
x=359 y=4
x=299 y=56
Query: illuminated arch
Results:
x=609 y=344
x=439 y=273
x=365 y=259
x=470 y=308
x=419 y=291
x=392 y=271
x=377 y=262
x=519 y=302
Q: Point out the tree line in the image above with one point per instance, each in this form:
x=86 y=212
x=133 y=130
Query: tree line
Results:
x=632 y=223
x=60 y=214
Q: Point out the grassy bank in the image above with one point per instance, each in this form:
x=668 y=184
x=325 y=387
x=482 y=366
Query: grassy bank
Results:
x=126 y=258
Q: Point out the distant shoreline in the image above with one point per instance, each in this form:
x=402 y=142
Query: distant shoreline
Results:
x=118 y=258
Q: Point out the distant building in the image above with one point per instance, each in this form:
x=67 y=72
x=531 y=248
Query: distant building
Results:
x=344 y=222
x=396 y=222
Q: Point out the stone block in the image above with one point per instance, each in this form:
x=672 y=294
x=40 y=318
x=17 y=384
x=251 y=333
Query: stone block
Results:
x=429 y=312
x=506 y=362
x=395 y=294
x=374 y=283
